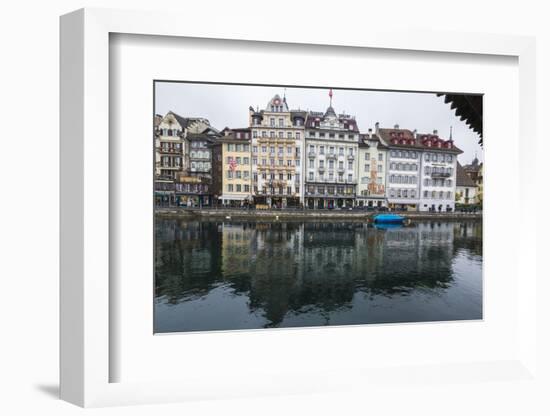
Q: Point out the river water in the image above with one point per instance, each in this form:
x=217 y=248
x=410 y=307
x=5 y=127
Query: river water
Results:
x=226 y=275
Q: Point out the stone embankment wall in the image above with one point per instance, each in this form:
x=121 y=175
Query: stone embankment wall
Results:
x=313 y=214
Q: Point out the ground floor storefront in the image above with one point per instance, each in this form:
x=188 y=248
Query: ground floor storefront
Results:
x=193 y=201
x=234 y=200
x=366 y=202
x=401 y=205
x=328 y=202
x=165 y=199
x=277 y=201
x=437 y=206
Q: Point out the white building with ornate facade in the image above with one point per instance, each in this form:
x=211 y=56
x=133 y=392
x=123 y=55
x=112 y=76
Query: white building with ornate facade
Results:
x=330 y=160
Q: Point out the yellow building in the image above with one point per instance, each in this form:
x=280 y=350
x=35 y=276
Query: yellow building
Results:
x=232 y=165
x=277 y=147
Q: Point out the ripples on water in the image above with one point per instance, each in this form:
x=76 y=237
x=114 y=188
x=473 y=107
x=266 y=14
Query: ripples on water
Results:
x=216 y=275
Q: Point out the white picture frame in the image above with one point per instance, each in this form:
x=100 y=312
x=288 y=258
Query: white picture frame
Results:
x=86 y=218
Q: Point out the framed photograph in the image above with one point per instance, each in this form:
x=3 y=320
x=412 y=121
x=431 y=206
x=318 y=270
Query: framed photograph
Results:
x=284 y=214
x=300 y=220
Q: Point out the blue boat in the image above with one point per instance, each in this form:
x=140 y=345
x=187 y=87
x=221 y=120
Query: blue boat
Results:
x=389 y=219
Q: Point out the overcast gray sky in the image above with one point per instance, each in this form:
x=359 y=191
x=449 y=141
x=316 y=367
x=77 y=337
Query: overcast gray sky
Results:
x=227 y=105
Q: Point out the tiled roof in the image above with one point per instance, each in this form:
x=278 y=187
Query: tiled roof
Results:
x=405 y=138
x=199 y=136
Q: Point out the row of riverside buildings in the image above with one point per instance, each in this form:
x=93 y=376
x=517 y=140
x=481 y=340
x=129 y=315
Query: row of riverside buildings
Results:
x=293 y=158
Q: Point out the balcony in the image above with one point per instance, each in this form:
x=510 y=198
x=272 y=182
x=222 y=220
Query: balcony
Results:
x=330 y=195
x=162 y=166
x=311 y=154
x=169 y=150
x=351 y=157
x=436 y=175
x=331 y=181
x=340 y=170
x=331 y=155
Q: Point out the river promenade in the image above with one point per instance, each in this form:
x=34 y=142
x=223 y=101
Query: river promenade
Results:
x=275 y=214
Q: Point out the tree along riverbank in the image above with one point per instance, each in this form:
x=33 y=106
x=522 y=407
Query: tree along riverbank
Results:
x=307 y=214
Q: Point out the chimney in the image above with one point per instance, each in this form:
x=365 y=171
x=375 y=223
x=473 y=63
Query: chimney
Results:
x=396 y=126
x=435 y=132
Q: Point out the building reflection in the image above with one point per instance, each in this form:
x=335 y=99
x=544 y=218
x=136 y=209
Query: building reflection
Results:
x=298 y=267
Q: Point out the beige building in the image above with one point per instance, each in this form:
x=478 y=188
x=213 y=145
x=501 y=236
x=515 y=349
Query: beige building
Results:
x=277 y=148
x=231 y=163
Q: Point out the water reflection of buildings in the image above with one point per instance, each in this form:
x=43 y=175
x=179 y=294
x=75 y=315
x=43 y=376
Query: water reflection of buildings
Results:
x=187 y=258
x=296 y=268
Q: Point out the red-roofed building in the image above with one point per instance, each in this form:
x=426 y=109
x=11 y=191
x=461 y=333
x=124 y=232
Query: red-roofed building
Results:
x=421 y=170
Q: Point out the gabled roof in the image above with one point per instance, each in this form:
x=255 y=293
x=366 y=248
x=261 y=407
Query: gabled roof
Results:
x=184 y=122
x=462 y=179
x=181 y=120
